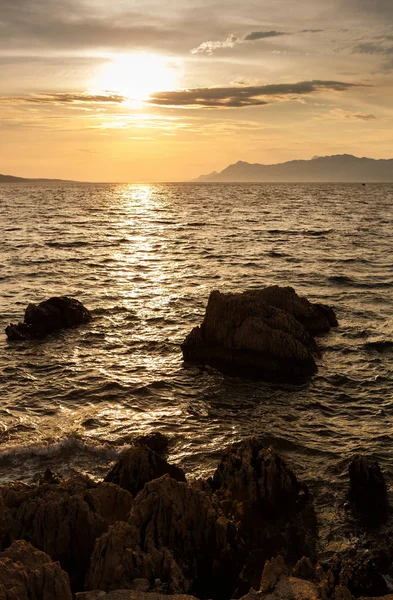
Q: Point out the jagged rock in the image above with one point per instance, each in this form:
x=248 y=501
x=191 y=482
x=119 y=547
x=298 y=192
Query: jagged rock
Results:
x=139 y=465
x=50 y=315
x=342 y=593
x=304 y=569
x=5 y=524
x=174 y=533
x=65 y=519
x=367 y=489
x=255 y=486
x=156 y=441
x=272 y=571
x=265 y=332
x=28 y=574
x=290 y=588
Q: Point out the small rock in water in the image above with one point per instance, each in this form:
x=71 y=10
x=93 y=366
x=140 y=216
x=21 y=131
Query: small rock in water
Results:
x=367 y=489
x=51 y=315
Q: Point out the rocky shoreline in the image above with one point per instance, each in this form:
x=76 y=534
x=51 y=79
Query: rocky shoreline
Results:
x=249 y=530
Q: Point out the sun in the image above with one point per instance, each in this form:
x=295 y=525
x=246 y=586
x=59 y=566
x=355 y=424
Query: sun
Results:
x=137 y=76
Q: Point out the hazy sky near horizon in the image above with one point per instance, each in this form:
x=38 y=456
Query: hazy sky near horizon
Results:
x=145 y=90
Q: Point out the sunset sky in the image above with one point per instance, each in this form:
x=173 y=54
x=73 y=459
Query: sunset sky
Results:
x=146 y=90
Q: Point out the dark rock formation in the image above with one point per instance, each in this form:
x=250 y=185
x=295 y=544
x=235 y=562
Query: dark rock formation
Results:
x=361 y=571
x=367 y=489
x=27 y=574
x=65 y=519
x=265 y=332
x=129 y=595
x=138 y=466
x=156 y=441
x=174 y=533
x=304 y=569
x=51 y=315
x=255 y=486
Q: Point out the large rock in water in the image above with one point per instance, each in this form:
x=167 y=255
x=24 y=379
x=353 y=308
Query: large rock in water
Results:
x=174 y=533
x=367 y=489
x=138 y=466
x=64 y=520
x=266 y=332
x=255 y=487
x=51 y=315
x=27 y=574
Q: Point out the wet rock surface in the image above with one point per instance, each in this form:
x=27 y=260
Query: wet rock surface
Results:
x=174 y=533
x=48 y=316
x=139 y=465
x=65 y=519
x=367 y=490
x=267 y=333
x=28 y=574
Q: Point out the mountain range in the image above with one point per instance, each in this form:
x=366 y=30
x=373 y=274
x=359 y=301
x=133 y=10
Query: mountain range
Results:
x=12 y=179
x=343 y=168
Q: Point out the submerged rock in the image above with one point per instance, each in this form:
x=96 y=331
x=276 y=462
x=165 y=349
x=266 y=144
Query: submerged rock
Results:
x=138 y=466
x=367 y=489
x=27 y=574
x=267 y=332
x=255 y=487
x=65 y=519
x=51 y=315
x=174 y=533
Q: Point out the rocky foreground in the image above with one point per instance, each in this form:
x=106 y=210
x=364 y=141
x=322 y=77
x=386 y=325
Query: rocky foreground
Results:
x=250 y=530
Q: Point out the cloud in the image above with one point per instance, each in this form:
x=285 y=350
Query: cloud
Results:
x=232 y=40
x=362 y=117
x=237 y=97
x=65 y=98
x=210 y=47
x=261 y=35
x=377 y=49
x=372 y=48
x=312 y=31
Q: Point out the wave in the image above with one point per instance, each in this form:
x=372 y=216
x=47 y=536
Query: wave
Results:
x=58 y=450
x=379 y=345
x=76 y=244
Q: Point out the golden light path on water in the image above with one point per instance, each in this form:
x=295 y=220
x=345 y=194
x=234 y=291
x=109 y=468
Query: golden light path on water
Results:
x=144 y=259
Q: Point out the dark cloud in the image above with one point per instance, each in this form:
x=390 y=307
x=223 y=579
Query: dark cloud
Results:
x=70 y=24
x=372 y=48
x=261 y=35
x=362 y=117
x=378 y=49
x=312 y=31
x=65 y=98
x=236 y=97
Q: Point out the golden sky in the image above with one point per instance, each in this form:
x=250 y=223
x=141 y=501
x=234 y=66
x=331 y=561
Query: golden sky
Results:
x=145 y=90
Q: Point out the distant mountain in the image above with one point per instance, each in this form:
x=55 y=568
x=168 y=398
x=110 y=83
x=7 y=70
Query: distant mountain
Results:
x=343 y=168
x=12 y=179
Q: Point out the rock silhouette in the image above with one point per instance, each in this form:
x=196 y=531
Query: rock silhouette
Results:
x=367 y=489
x=268 y=333
x=255 y=487
x=138 y=466
x=47 y=317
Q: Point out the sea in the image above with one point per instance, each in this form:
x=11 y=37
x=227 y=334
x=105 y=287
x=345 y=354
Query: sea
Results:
x=144 y=259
